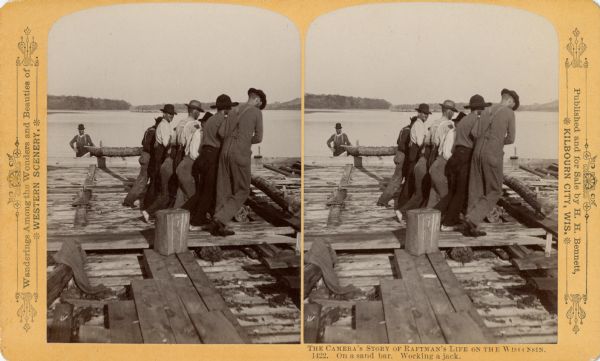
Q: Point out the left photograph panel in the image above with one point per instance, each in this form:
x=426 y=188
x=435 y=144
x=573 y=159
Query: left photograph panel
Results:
x=174 y=167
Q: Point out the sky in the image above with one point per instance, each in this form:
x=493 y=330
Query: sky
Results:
x=162 y=53
x=412 y=53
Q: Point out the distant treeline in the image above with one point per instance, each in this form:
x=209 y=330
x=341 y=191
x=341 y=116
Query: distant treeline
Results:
x=293 y=104
x=435 y=107
x=155 y=108
x=68 y=102
x=331 y=101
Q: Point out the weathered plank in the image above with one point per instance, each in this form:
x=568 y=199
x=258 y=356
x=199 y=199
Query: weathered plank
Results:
x=93 y=334
x=459 y=328
x=150 y=306
x=400 y=323
x=535 y=261
x=123 y=322
x=370 y=323
x=429 y=330
x=61 y=328
x=218 y=329
x=183 y=329
x=338 y=334
x=312 y=318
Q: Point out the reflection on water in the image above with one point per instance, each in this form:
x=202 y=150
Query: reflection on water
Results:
x=123 y=128
x=537 y=132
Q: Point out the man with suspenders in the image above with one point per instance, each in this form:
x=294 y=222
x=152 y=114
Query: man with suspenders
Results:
x=494 y=129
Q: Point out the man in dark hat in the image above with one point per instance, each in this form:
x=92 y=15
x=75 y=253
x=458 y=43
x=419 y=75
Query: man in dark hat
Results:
x=437 y=162
x=80 y=141
x=494 y=129
x=184 y=132
x=339 y=140
x=165 y=138
x=392 y=190
x=412 y=191
x=144 y=182
x=239 y=131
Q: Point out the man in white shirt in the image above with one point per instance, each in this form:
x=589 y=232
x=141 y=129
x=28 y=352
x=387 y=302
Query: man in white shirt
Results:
x=165 y=136
x=439 y=183
x=414 y=177
x=185 y=131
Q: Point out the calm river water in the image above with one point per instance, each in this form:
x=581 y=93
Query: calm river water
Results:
x=537 y=132
x=123 y=128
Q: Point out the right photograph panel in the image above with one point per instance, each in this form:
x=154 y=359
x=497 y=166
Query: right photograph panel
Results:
x=431 y=176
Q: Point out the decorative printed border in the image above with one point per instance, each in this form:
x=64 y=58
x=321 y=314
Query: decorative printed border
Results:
x=24 y=170
x=579 y=179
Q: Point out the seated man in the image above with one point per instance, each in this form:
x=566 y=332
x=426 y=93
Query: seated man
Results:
x=339 y=140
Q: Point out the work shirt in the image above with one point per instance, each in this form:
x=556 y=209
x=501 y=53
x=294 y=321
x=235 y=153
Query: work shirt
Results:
x=338 y=140
x=178 y=129
x=418 y=132
x=247 y=129
x=164 y=133
x=463 y=135
x=80 y=142
x=439 y=130
x=447 y=144
x=210 y=136
x=496 y=126
x=192 y=148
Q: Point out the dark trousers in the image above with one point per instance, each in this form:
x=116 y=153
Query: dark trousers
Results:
x=163 y=199
x=392 y=191
x=205 y=171
x=139 y=186
x=187 y=184
x=422 y=184
x=457 y=172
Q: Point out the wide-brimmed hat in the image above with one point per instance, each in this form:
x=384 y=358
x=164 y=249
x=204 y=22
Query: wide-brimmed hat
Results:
x=224 y=103
x=477 y=102
x=513 y=94
x=449 y=104
x=194 y=104
x=261 y=94
x=338 y=125
x=423 y=108
x=80 y=127
x=169 y=109
x=206 y=116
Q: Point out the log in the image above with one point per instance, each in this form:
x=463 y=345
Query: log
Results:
x=539 y=205
x=57 y=281
x=422 y=231
x=288 y=202
x=361 y=151
x=171 y=232
x=114 y=151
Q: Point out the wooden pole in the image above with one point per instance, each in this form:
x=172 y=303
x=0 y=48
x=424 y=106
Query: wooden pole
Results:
x=171 y=232
x=422 y=231
x=358 y=151
x=288 y=202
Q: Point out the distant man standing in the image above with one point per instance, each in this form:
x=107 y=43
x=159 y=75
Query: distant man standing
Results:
x=393 y=188
x=495 y=128
x=239 y=132
x=412 y=193
x=184 y=133
x=80 y=141
x=165 y=139
x=438 y=131
x=339 y=140
x=459 y=165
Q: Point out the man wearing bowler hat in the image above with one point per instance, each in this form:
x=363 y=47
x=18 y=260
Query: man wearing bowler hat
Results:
x=339 y=140
x=492 y=131
x=412 y=191
x=183 y=133
x=206 y=166
x=239 y=132
x=80 y=141
x=165 y=138
x=459 y=165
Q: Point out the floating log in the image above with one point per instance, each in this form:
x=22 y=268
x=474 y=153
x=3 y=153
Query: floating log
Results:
x=114 y=151
x=360 y=151
x=57 y=281
x=288 y=202
x=539 y=205
x=171 y=233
